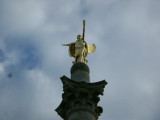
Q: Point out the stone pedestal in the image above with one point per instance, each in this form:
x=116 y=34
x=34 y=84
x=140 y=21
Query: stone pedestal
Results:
x=80 y=72
x=80 y=97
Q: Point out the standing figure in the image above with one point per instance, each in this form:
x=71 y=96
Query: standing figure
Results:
x=79 y=49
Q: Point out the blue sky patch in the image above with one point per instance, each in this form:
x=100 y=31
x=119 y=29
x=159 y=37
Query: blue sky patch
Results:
x=28 y=53
x=30 y=57
x=2 y=56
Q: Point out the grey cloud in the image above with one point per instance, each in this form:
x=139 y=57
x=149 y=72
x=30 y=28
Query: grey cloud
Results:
x=126 y=34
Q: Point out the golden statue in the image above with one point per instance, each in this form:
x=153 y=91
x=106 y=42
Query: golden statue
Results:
x=79 y=49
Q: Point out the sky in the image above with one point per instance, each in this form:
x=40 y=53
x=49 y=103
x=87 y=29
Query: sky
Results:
x=32 y=59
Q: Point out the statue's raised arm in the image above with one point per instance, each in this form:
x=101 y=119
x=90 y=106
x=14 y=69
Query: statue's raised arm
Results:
x=79 y=49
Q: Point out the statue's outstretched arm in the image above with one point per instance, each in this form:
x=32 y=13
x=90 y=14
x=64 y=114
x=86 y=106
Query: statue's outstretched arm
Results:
x=65 y=44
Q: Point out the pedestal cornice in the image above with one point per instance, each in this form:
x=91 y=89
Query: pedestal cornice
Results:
x=80 y=96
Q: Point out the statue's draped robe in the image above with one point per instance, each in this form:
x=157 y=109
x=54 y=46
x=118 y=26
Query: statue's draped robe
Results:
x=88 y=49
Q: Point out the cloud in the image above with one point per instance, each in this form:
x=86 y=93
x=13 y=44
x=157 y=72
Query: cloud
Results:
x=32 y=60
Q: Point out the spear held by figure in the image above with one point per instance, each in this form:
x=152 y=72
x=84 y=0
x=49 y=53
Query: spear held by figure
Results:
x=83 y=35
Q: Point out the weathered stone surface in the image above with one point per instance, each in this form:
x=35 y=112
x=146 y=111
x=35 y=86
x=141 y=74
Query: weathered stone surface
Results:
x=80 y=98
x=80 y=72
x=81 y=115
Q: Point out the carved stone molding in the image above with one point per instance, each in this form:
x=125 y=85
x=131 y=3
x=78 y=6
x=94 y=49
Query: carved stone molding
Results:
x=80 y=96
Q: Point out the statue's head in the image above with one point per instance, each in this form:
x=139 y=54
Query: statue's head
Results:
x=79 y=37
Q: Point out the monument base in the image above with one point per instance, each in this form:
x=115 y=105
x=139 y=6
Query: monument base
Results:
x=80 y=97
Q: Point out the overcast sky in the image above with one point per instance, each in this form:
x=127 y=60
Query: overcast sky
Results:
x=32 y=60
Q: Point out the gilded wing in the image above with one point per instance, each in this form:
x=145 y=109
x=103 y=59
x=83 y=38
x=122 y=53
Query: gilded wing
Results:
x=92 y=48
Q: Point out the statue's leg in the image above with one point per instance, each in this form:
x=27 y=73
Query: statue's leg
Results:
x=83 y=54
x=76 y=55
x=82 y=57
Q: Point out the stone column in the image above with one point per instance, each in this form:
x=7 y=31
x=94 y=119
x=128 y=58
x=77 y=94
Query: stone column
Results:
x=80 y=97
